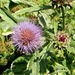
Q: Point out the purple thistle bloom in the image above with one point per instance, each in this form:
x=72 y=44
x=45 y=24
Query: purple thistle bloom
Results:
x=27 y=37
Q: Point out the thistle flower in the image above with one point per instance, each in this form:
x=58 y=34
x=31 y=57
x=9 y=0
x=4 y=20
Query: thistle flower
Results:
x=62 y=1
x=62 y=39
x=27 y=37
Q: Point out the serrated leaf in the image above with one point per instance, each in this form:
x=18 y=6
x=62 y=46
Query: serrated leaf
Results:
x=31 y=9
x=71 y=50
x=19 y=65
x=26 y=10
x=41 y=20
x=59 y=69
x=34 y=66
x=44 y=19
x=5 y=28
x=24 y=2
x=45 y=49
x=6 y=18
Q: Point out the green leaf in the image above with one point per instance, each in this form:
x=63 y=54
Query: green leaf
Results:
x=73 y=68
x=72 y=43
x=24 y=2
x=55 y=23
x=41 y=19
x=43 y=66
x=34 y=65
x=71 y=50
x=1 y=3
x=72 y=24
x=59 y=69
x=4 y=3
x=19 y=65
x=7 y=72
x=55 y=26
x=6 y=18
x=45 y=49
x=5 y=28
x=9 y=14
x=26 y=10
x=44 y=19
x=31 y=9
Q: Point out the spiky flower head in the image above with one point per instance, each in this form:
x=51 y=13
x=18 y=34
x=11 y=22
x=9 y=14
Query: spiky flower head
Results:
x=61 y=2
x=27 y=37
x=62 y=39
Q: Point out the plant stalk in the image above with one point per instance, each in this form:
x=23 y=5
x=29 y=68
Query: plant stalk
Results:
x=63 y=17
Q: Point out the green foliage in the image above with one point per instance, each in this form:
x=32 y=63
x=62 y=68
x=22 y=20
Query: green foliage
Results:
x=51 y=58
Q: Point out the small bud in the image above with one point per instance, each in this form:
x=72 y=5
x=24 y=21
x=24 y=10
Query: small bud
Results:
x=62 y=39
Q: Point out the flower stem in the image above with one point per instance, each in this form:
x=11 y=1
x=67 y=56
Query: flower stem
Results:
x=63 y=17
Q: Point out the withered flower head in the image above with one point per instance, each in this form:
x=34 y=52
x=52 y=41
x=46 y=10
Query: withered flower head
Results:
x=61 y=1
